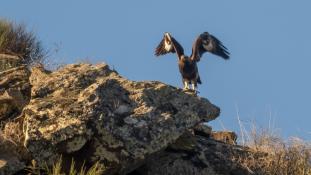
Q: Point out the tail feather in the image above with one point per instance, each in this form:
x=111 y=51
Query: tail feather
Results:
x=199 y=80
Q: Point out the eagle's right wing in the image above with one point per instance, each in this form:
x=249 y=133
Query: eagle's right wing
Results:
x=208 y=43
x=169 y=45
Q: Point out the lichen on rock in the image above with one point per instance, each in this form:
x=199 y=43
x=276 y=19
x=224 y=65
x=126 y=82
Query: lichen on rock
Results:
x=90 y=109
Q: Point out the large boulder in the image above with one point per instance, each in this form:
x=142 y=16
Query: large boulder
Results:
x=90 y=113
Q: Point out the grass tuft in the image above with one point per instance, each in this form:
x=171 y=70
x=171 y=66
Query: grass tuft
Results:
x=11 y=140
x=273 y=155
x=57 y=169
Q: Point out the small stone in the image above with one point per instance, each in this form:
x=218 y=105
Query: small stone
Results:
x=141 y=124
x=75 y=144
x=202 y=129
x=130 y=120
x=228 y=137
x=122 y=109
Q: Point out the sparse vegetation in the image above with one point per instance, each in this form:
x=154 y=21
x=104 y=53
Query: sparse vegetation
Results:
x=274 y=155
x=57 y=169
x=16 y=40
x=270 y=155
x=11 y=139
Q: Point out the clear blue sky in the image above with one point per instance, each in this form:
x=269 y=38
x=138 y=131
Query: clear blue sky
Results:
x=268 y=73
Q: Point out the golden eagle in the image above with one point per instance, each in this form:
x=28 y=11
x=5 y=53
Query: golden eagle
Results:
x=205 y=42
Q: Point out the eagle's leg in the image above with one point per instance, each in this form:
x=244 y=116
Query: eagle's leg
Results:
x=186 y=84
x=194 y=85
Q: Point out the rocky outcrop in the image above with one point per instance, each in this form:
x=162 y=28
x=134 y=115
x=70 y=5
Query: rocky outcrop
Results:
x=14 y=92
x=91 y=113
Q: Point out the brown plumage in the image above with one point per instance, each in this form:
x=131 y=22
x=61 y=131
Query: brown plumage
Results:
x=205 y=42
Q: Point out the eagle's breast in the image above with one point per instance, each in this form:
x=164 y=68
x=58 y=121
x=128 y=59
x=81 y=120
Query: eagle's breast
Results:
x=187 y=69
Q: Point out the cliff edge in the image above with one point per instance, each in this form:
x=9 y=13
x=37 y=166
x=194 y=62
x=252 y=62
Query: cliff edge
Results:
x=91 y=114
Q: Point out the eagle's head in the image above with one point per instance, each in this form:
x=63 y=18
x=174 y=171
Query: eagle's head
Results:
x=167 y=41
x=184 y=58
x=204 y=37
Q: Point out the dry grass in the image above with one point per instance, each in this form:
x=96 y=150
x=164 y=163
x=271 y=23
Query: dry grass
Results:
x=16 y=40
x=12 y=133
x=57 y=169
x=273 y=155
x=11 y=140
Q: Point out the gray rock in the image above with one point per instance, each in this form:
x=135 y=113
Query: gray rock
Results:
x=9 y=164
x=192 y=154
x=202 y=129
x=90 y=113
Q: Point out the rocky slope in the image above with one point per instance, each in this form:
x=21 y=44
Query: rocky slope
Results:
x=92 y=114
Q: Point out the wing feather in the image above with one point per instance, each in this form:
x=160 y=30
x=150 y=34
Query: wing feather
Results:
x=169 y=45
x=208 y=43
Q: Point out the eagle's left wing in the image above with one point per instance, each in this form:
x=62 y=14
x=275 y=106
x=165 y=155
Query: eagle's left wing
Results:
x=169 y=45
x=208 y=43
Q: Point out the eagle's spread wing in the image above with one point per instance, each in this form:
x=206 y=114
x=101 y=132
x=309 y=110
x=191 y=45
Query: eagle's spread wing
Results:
x=208 y=43
x=169 y=45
